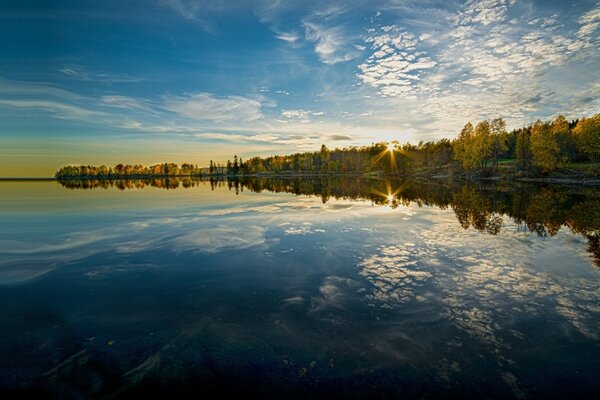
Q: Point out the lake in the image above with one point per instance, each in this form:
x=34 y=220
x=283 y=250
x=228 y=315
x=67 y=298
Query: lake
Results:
x=297 y=288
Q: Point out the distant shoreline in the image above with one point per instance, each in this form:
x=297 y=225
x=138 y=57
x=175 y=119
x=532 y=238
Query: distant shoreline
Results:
x=12 y=179
x=586 y=181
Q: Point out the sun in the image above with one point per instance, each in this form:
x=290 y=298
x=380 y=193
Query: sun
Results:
x=391 y=147
x=390 y=198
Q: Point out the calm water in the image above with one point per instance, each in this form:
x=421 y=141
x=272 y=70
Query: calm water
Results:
x=299 y=289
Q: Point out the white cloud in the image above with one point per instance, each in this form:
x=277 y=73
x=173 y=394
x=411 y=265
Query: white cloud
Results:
x=290 y=37
x=231 y=137
x=330 y=43
x=118 y=101
x=590 y=21
x=187 y=9
x=299 y=115
x=479 y=65
x=58 y=109
x=204 y=106
x=84 y=74
x=394 y=65
x=212 y=240
x=484 y=12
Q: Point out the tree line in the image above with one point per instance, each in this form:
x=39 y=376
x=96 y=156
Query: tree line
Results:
x=537 y=148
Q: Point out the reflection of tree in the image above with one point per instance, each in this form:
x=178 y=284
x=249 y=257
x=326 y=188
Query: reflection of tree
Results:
x=543 y=210
x=474 y=209
x=584 y=218
x=127 y=184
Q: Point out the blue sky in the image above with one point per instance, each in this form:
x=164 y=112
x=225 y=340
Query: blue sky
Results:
x=193 y=80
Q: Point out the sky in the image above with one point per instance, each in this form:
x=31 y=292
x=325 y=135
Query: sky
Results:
x=149 y=81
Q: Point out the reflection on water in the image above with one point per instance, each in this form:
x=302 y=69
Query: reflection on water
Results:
x=544 y=210
x=299 y=288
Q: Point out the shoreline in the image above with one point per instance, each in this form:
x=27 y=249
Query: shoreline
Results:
x=585 y=181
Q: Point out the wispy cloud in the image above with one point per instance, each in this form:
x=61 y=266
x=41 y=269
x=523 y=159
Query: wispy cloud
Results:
x=84 y=74
x=290 y=37
x=232 y=137
x=127 y=102
x=331 y=43
x=58 y=109
x=187 y=9
x=205 y=106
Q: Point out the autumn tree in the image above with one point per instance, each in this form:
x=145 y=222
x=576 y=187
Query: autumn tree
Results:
x=499 y=137
x=561 y=131
x=544 y=147
x=482 y=146
x=463 y=147
x=523 y=148
x=587 y=137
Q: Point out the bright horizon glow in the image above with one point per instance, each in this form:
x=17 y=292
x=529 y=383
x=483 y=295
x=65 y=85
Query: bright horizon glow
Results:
x=391 y=147
x=193 y=81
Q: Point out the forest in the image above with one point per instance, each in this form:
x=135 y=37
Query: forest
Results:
x=481 y=150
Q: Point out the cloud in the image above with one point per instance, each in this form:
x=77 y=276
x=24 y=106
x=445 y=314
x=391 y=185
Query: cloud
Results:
x=483 y=12
x=477 y=64
x=395 y=64
x=58 y=109
x=590 y=21
x=84 y=74
x=127 y=102
x=339 y=138
x=298 y=115
x=266 y=138
x=212 y=240
x=186 y=9
x=330 y=43
x=194 y=11
x=290 y=37
x=204 y=106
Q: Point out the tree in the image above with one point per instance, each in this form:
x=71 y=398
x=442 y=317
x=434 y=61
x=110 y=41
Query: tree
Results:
x=523 y=148
x=587 y=137
x=499 y=139
x=482 y=146
x=236 y=165
x=462 y=148
x=544 y=147
x=561 y=131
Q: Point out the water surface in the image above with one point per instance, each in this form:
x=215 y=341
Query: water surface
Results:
x=299 y=288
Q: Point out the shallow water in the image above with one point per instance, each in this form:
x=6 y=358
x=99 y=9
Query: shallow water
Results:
x=299 y=288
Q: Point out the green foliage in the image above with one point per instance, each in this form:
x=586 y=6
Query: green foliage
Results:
x=464 y=146
x=587 y=137
x=127 y=170
x=544 y=146
x=523 y=148
x=499 y=139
